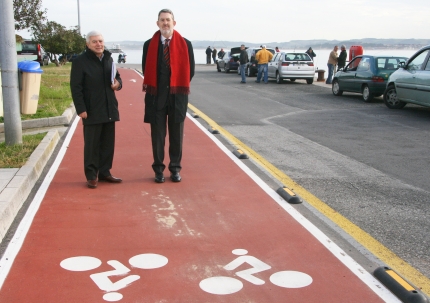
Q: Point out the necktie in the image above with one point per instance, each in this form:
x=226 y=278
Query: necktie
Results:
x=166 y=52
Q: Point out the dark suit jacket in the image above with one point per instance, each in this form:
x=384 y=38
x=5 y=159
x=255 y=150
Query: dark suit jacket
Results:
x=181 y=101
x=90 y=81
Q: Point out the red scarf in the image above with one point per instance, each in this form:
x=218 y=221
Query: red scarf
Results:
x=179 y=65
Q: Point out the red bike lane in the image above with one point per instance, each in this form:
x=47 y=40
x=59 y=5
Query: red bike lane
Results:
x=220 y=235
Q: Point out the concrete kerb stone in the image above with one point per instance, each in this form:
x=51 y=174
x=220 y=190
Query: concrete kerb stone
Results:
x=64 y=119
x=14 y=194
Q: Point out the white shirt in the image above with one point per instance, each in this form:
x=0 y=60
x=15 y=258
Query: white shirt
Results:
x=163 y=38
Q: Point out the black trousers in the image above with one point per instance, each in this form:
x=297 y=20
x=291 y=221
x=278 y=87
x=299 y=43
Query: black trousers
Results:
x=165 y=119
x=208 y=59
x=99 y=144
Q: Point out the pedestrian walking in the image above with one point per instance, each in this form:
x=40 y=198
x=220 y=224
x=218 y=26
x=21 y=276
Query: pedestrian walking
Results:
x=263 y=57
x=332 y=61
x=168 y=67
x=93 y=93
x=243 y=60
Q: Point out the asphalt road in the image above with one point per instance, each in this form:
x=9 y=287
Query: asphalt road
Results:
x=369 y=163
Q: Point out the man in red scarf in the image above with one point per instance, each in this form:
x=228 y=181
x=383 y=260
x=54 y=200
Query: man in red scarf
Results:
x=168 y=67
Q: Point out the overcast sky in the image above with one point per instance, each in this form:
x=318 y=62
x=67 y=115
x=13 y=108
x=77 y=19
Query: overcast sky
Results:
x=256 y=21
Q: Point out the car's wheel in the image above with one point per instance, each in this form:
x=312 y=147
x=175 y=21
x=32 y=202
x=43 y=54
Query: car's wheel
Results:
x=247 y=72
x=226 y=69
x=279 y=79
x=309 y=81
x=390 y=98
x=335 y=88
x=367 y=96
x=292 y=80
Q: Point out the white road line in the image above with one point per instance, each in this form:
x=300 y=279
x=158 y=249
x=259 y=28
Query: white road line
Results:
x=356 y=268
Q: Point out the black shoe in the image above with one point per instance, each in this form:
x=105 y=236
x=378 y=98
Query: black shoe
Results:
x=110 y=179
x=159 y=178
x=175 y=177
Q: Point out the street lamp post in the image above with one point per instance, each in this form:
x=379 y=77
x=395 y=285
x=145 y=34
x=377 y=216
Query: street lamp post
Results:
x=79 y=19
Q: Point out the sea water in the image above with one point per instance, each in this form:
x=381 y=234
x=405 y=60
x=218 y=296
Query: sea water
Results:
x=135 y=56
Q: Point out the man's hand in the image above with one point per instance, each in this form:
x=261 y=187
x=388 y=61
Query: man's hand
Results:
x=115 y=85
x=83 y=115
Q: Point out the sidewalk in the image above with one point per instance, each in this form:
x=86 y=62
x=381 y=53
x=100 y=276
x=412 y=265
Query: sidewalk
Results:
x=16 y=184
x=139 y=241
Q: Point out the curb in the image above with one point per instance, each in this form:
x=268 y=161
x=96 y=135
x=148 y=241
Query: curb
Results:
x=405 y=291
x=64 y=119
x=17 y=190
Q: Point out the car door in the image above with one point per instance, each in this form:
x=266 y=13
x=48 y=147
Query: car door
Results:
x=273 y=66
x=422 y=79
x=406 y=82
x=363 y=75
x=346 y=77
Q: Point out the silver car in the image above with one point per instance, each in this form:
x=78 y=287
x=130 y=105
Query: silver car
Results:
x=291 y=66
x=411 y=82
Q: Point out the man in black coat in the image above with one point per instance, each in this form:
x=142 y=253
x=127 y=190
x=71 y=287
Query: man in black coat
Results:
x=93 y=93
x=208 y=55
x=168 y=67
x=341 y=61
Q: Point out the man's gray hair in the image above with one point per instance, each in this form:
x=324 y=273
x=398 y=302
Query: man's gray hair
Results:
x=92 y=34
x=166 y=10
x=343 y=46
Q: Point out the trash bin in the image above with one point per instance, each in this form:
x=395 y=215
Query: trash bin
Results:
x=30 y=74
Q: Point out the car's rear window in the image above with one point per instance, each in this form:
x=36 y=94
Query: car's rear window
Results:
x=29 y=47
x=389 y=63
x=297 y=57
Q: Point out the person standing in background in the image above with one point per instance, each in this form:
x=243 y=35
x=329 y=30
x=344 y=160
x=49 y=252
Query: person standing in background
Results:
x=311 y=53
x=221 y=53
x=208 y=55
x=277 y=49
x=214 y=52
x=93 y=93
x=341 y=61
x=243 y=60
x=332 y=61
x=168 y=67
x=263 y=57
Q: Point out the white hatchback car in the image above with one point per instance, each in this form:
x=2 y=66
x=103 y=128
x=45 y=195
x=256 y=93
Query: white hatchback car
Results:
x=291 y=66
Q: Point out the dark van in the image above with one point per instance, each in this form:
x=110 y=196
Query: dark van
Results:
x=31 y=51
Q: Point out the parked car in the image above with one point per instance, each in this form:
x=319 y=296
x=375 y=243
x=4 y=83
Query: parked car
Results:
x=291 y=66
x=367 y=75
x=230 y=60
x=411 y=82
x=31 y=51
x=68 y=57
x=252 y=66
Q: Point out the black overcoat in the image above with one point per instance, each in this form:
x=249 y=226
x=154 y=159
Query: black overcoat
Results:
x=90 y=84
x=181 y=101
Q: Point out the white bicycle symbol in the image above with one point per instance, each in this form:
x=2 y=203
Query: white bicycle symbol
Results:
x=85 y=263
x=226 y=285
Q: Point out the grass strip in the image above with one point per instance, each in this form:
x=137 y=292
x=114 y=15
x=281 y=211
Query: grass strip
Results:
x=15 y=156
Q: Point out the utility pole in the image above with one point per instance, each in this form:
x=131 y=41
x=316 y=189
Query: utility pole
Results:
x=9 y=74
x=79 y=19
